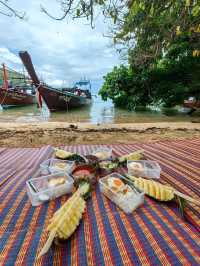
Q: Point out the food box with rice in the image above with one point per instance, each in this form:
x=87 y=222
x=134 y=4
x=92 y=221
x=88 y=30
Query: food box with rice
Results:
x=115 y=187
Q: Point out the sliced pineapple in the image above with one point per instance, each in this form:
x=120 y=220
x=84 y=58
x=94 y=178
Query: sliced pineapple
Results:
x=159 y=191
x=154 y=189
x=157 y=188
x=65 y=220
x=137 y=155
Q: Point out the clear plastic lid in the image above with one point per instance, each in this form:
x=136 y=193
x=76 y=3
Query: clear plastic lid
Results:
x=126 y=196
x=103 y=153
x=144 y=168
x=48 y=187
x=56 y=165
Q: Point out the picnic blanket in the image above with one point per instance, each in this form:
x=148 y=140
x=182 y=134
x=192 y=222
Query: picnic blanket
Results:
x=154 y=234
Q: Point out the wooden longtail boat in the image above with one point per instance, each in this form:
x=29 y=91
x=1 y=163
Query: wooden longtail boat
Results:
x=16 y=95
x=56 y=99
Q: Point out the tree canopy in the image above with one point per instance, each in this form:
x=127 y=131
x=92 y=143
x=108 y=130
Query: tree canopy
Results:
x=154 y=25
x=163 y=46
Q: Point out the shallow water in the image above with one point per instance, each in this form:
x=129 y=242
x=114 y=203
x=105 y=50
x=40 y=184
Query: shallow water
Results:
x=98 y=112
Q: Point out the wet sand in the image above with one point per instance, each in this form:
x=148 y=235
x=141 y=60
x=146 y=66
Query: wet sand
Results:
x=62 y=133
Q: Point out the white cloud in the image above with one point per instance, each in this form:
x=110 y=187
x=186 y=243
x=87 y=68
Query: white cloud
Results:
x=57 y=83
x=7 y=56
x=60 y=50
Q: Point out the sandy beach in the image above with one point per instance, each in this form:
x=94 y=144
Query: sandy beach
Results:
x=61 y=133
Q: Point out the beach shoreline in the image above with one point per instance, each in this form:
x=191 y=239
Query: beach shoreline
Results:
x=62 y=133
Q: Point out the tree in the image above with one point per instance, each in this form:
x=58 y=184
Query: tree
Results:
x=8 y=11
x=126 y=88
x=177 y=74
x=174 y=77
x=154 y=25
x=164 y=57
x=88 y=9
x=75 y=9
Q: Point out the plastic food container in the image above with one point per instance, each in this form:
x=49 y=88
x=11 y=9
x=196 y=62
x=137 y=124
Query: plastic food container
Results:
x=57 y=165
x=51 y=166
x=127 y=203
x=103 y=153
x=44 y=167
x=48 y=187
x=141 y=168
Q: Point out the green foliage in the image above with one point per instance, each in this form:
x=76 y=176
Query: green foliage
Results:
x=176 y=77
x=124 y=88
x=155 y=25
x=164 y=58
x=172 y=79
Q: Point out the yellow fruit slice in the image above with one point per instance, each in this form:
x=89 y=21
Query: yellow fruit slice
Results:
x=65 y=220
x=137 y=155
x=163 y=193
x=152 y=190
x=145 y=187
x=157 y=187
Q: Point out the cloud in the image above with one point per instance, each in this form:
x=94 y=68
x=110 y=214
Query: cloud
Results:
x=61 y=51
x=7 y=56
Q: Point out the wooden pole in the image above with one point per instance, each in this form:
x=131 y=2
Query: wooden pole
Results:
x=5 y=77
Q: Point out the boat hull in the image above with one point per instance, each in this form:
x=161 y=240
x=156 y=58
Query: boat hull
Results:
x=192 y=104
x=58 y=100
x=10 y=98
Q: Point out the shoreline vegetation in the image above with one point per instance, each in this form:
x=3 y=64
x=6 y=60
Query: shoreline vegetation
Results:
x=61 y=133
x=161 y=44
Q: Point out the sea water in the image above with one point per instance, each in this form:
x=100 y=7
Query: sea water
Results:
x=98 y=112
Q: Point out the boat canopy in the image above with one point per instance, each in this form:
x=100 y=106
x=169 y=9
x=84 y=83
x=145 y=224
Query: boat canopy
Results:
x=82 y=83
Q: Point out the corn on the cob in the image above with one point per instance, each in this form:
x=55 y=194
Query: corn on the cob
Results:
x=66 y=219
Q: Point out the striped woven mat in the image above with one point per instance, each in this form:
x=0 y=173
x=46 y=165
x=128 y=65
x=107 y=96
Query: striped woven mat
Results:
x=154 y=234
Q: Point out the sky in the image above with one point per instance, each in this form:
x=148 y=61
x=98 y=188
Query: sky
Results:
x=61 y=51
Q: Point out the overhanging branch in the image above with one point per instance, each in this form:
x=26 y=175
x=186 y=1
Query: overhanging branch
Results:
x=66 y=11
x=11 y=11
